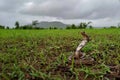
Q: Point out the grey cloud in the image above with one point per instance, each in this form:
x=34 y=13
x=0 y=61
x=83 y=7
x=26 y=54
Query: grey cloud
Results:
x=55 y=8
x=106 y=12
x=9 y=5
x=69 y=9
x=12 y=5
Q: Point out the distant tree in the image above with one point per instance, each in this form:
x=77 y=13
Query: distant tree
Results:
x=2 y=27
x=26 y=27
x=104 y=27
x=34 y=23
x=55 y=28
x=50 y=28
x=68 y=27
x=113 y=27
x=38 y=28
x=7 y=27
x=73 y=26
x=17 y=25
x=91 y=27
x=80 y=26
x=84 y=25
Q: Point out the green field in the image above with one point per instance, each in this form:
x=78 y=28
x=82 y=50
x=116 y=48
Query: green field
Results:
x=43 y=54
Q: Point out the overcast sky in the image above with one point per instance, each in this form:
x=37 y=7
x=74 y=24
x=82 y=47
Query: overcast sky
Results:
x=100 y=12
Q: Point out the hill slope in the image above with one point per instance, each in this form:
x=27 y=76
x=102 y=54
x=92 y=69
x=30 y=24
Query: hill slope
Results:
x=46 y=24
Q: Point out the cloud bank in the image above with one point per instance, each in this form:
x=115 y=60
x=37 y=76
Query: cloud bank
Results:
x=100 y=12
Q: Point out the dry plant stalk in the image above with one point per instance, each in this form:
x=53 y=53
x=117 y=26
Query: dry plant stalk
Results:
x=78 y=54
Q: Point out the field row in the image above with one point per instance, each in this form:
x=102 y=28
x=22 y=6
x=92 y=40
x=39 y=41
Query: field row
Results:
x=43 y=54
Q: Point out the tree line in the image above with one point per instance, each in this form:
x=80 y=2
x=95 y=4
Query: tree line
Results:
x=82 y=25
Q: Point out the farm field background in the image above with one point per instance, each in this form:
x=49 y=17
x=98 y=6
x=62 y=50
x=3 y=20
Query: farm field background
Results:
x=43 y=54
